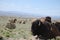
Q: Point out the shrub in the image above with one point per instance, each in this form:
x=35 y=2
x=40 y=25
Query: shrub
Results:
x=11 y=26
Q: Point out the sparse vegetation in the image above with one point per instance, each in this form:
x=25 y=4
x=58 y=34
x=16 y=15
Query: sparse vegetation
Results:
x=15 y=31
x=11 y=25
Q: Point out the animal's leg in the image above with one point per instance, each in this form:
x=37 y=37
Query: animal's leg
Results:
x=55 y=38
x=36 y=37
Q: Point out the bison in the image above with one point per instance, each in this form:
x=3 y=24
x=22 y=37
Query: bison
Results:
x=13 y=20
x=57 y=24
x=44 y=29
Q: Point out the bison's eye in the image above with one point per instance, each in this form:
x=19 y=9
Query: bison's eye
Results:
x=39 y=24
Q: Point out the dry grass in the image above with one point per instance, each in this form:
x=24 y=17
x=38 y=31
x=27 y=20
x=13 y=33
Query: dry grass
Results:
x=21 y=32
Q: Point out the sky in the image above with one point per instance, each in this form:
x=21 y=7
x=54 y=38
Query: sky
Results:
x=35 y=7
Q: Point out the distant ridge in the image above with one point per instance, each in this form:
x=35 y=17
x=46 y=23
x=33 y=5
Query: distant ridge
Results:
x=19 y=14
x=22 y=14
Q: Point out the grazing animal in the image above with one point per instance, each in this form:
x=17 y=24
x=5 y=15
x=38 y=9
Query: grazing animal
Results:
x=48 y=19
x=57 y=25
x=20 y=22
x=13 y=20
x=24 y=22
x=45 y=30
x=40 y=29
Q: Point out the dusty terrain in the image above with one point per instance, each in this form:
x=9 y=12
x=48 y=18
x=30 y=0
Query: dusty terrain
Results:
x=21 y=32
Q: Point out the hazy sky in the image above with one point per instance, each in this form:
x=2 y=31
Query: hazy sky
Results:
x=38 y=7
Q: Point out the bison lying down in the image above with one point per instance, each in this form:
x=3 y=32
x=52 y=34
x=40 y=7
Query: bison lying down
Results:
x=45 y=30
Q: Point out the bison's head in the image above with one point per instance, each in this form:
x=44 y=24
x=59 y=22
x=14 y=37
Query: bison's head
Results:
x=48 y=19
